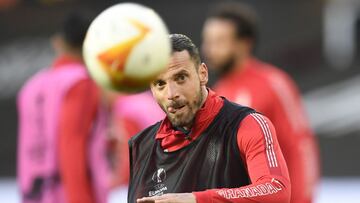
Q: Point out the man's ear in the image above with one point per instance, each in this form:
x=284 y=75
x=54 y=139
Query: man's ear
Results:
x=203 y=74
x=57 y=43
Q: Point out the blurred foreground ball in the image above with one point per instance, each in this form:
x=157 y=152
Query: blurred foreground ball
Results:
x=126 y=46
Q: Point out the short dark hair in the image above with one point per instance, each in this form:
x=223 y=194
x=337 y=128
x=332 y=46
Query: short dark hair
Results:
x=180 y=42
x=242 y=15
x=74 y=29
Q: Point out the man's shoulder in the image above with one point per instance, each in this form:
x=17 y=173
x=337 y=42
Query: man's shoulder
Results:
x=35 y=79
x=232 y=109
x=144 y=134
x=269 y=71
x=42 y=73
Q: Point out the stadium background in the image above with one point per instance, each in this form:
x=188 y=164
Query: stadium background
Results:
x=316 y=41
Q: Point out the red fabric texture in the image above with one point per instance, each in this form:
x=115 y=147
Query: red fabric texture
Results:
x=130 y=128
x=253 y=140
x=268 y=183
x=64 y=60
x=272 y=92
x=172 y=140
x=76 y=118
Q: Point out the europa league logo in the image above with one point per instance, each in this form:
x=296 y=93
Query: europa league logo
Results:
x=159 y=176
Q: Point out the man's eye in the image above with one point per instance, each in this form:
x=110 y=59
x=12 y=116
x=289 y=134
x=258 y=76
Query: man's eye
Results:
x=159 y=83
x=180 y=78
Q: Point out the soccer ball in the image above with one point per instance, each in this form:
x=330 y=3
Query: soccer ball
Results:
x=126 y=47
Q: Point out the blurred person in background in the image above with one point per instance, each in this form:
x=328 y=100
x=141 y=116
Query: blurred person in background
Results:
x=130 y=115
x=229 y=37
x=62 y=127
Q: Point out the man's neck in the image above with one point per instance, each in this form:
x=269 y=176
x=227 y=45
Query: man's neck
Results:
x=205 y=93
x=240 y=64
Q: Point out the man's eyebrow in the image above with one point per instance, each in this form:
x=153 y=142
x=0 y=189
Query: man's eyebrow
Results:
x=157 y=81
x=181 y=72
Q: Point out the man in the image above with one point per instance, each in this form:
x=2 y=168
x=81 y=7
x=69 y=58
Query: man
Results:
x=207 y=149
x=61 y=127
x=229 y=36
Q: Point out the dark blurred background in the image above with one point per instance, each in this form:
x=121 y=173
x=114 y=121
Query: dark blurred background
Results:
x=316 y=41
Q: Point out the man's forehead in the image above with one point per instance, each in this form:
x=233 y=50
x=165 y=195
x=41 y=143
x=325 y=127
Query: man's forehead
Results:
x=179 y=58
x=170 y=72
x=180 y=61
x=219 y=25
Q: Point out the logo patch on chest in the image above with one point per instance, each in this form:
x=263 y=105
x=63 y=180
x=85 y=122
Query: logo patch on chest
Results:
x=158 y=177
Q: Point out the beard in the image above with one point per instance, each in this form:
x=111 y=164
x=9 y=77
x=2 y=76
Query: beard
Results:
x=187 y=117
x=220 y=70
x=225 y=67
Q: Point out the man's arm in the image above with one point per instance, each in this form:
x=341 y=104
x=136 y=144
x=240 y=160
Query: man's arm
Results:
x=295 y=136
x=266 y=166
x=77 y=115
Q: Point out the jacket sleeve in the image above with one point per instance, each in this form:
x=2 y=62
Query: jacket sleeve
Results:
x=77 y=115
x=265 y=163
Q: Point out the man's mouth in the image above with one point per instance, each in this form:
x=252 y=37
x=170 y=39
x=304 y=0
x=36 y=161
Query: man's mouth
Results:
x=174 y=109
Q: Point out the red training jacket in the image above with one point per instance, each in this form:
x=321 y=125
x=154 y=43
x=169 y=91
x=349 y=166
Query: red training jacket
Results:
x=259 y=150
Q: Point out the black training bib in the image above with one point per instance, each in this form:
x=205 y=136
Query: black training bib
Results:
x=211 y=161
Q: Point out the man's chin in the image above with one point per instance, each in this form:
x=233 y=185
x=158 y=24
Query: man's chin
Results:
x=222 y=69
x=178 y=123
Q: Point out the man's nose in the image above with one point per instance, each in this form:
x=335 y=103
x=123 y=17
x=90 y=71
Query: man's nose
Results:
x=172 y=91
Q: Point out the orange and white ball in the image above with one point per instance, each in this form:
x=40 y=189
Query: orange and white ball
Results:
x=126 y=46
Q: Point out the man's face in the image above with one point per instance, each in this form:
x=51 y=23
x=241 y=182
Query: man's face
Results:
x=178 y=90
x=219 y=44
